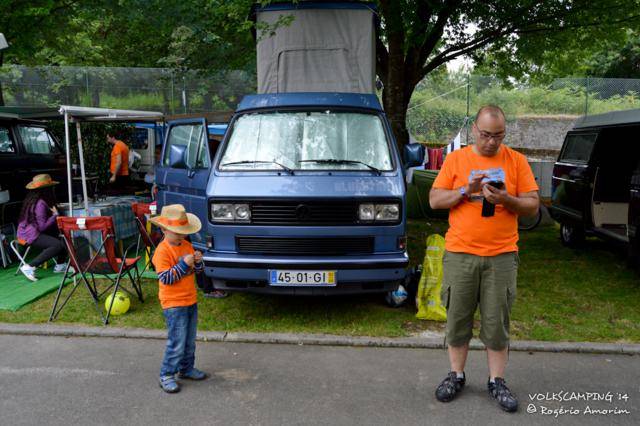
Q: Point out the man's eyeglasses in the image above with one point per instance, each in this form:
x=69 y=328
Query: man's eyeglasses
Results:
x=495 y=136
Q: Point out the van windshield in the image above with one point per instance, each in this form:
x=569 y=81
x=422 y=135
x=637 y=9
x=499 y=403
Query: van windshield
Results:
x=325 y=140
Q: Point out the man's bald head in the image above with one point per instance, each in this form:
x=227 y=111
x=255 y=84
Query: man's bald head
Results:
x=492 y=110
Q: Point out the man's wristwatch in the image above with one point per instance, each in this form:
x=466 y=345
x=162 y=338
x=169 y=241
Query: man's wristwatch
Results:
x=463 y=191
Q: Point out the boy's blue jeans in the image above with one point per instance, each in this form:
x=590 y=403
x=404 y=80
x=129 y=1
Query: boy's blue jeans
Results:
x=180 y=354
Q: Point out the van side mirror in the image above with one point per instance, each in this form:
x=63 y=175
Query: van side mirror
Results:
x=413 y=155
x=177 y=157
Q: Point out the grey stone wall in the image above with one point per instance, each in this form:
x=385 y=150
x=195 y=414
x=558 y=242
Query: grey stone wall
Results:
x=537 y=133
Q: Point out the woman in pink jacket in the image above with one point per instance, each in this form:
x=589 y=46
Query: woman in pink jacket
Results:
x=37 y=226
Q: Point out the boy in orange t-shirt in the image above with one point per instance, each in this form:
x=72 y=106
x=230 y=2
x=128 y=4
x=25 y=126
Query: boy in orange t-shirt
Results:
x=176 y=262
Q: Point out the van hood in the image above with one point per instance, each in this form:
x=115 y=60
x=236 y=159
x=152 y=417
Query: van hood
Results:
x=305 y=186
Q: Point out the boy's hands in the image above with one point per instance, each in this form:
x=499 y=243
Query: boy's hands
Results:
x=197 y=256
x=189 y=260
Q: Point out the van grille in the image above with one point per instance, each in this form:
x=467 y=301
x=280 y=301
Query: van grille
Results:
x=319 y=213
x=305 y=246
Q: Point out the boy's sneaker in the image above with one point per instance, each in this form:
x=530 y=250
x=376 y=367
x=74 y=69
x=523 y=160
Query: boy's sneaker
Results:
x=169 y=384
x=450 y=386
x=193 y=374
x=216 y=294
x=29 y=272
x=501 y=393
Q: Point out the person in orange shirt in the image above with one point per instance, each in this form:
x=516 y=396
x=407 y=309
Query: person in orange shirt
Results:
x=119 y=167
x=176 y=262
x=485 y=186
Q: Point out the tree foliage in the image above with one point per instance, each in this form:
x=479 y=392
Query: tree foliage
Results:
x=418 y=36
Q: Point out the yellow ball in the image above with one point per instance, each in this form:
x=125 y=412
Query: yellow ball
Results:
x=120 y=304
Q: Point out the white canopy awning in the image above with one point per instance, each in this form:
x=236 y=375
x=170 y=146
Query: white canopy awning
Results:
x=78 y=114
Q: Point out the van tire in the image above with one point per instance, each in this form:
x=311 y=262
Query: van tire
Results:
x=571 y=236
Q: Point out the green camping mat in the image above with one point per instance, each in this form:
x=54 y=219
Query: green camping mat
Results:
x=17 y=291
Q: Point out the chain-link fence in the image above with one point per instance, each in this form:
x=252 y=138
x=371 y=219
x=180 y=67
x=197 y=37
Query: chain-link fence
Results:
x=442 y=104
x=156 y=89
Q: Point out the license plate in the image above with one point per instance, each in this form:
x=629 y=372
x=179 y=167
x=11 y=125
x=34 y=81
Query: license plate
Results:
x=302 y=278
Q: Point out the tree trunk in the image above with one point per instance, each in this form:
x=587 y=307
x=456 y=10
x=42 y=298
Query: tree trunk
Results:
x=395 y=99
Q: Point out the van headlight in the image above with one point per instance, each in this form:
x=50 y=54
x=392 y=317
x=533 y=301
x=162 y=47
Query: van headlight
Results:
x=387 y=212
x=366 y=212
x=379 y=212
x=226 y=212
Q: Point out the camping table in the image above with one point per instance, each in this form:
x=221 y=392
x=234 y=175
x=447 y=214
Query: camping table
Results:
x=119 y=208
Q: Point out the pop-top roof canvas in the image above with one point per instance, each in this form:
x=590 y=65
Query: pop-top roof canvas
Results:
x=322 y=50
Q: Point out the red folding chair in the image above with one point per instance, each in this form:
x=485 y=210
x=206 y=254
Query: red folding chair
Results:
x=91 y=245
x=141 y=211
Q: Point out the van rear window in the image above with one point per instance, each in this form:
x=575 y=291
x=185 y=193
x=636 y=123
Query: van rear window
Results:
x=578 y=147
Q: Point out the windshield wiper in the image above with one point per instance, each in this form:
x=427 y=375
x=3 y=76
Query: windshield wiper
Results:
x=287 y=169
x=336 y=161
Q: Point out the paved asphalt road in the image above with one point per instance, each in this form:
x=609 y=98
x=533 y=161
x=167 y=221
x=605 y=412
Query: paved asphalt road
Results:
x=85 y=381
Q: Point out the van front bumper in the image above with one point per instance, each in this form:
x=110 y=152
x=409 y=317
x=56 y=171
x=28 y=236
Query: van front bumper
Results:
x=354 y=274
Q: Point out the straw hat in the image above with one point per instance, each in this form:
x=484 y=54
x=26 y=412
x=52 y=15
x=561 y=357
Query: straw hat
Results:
x=41 y=181
x=175 y=219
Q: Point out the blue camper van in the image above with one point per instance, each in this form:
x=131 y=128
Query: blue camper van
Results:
x=306 y=193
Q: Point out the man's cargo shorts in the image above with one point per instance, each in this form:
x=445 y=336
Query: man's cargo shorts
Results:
x=488 y=280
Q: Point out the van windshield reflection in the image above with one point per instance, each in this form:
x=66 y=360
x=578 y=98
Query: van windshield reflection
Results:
x=307 y=141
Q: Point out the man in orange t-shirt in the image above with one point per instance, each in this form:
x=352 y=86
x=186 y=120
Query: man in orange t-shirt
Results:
x=486 y=187
x=119 y=167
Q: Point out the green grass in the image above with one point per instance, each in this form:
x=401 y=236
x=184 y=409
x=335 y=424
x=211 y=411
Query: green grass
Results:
x=563 y=294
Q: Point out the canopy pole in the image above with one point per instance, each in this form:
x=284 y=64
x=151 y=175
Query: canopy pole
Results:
x=68 y=146
x=82 y=174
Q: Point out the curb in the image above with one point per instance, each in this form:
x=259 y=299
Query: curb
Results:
x=313 y=339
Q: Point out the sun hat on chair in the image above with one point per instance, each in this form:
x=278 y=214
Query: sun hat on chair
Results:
x=41 y=181
x=174 y=218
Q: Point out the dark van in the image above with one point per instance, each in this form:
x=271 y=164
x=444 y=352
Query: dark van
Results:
x=596 y=180
x=27 y=148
